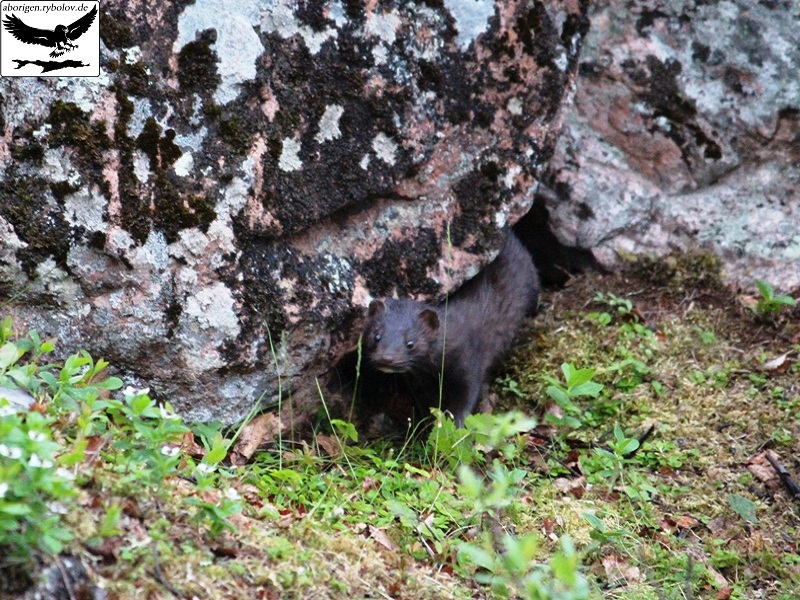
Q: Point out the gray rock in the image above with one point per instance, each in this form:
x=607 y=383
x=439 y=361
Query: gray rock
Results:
x=685 y=132
x=17 y=399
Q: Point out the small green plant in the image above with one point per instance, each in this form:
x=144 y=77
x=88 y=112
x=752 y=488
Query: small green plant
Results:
x=42 y=450
x=513 y=572
x=507 y=563
x=482 y=433
x=611 y=466
x=577 y=383
x=771 y=304
x=34 y=488
x=510 y=386
x=622 y=306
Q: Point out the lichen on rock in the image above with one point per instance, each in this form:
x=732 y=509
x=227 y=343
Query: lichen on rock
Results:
x=685 y=132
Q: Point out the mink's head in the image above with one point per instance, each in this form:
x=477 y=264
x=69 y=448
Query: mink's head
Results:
x=400 y=335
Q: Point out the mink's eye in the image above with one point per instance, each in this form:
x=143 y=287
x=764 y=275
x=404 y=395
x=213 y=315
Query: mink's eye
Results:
x=410 y=344
x=377 y=337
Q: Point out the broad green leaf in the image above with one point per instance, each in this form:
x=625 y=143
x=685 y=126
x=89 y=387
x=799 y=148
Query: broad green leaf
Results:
x=470 y=482
x=218 y=450
x=743 y=507
x=399 y=509
x=9 y=354
x=112 y=383
x=765 y=289
x=345 y=429
x=477 y=556
x=579 y=377
x=590 y=388
x=595 y=522
x=14 y=508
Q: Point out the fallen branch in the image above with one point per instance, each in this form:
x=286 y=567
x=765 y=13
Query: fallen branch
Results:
x=789 y=483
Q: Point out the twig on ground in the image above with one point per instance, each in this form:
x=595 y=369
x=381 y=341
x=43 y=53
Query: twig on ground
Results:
x=642 y=439
x=159 y=575
x=65 y=578
x=790 y=484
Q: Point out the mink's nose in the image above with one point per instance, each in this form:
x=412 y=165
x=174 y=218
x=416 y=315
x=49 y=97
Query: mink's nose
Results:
x=387 y=364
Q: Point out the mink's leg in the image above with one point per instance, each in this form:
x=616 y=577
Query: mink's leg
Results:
x=467 y=398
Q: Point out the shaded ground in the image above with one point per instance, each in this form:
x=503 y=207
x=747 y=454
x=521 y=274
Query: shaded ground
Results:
x=721 y=388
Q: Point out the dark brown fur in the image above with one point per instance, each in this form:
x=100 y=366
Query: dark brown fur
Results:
x=463 y=338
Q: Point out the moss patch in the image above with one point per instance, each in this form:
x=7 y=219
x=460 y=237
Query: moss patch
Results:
x=197 y=65
x=24 y=204
x=71 y=127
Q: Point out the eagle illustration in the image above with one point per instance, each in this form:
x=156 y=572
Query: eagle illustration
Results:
x=61 y=37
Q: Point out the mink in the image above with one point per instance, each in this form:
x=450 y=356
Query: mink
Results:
x=463 y=338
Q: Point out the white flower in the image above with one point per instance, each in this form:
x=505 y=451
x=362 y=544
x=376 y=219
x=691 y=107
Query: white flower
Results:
x=65 y=474
x=3 y=489
x=7 y=410
x=37 y=436
x=132 y=391
x=57 y=508
x=206 y=468
x=13 y=452
x=166 y=414
x=38 y=463
x=170 y=450
x=232 y=494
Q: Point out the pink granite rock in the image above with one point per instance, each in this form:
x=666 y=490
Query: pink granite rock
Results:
x=221 y=204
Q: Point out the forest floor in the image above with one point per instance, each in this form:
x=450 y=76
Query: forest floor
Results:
x=660 y=398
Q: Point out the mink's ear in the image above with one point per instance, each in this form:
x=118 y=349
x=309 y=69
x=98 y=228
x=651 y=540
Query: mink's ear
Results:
x=375 y=307
x=430 y=319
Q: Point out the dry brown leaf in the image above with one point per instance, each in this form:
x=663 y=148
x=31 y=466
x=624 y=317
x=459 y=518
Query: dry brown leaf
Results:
x=617 y=569
x=211 y=496
x=723 y=527
x=575 y=486
x=329 y=444
x=719 y=580
x=724 y=593
x=380 y=537
x=759 y=466
x=748 y=301
x=686 y=522
x=251 y=495
x=777 y=364
x=285 y=522
x=192 y=448
x=265 y=427
x=549 y=526
x=93 y=445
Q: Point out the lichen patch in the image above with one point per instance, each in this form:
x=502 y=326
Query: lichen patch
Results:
x=329 y=124
x=385 y=148
x=290 y=156
x=237 y=44
x=86 y=208
x=472 y=18
x=183 y=166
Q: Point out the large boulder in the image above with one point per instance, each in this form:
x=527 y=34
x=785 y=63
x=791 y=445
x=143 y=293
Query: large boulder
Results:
x=686 y=131
x=213 y=213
